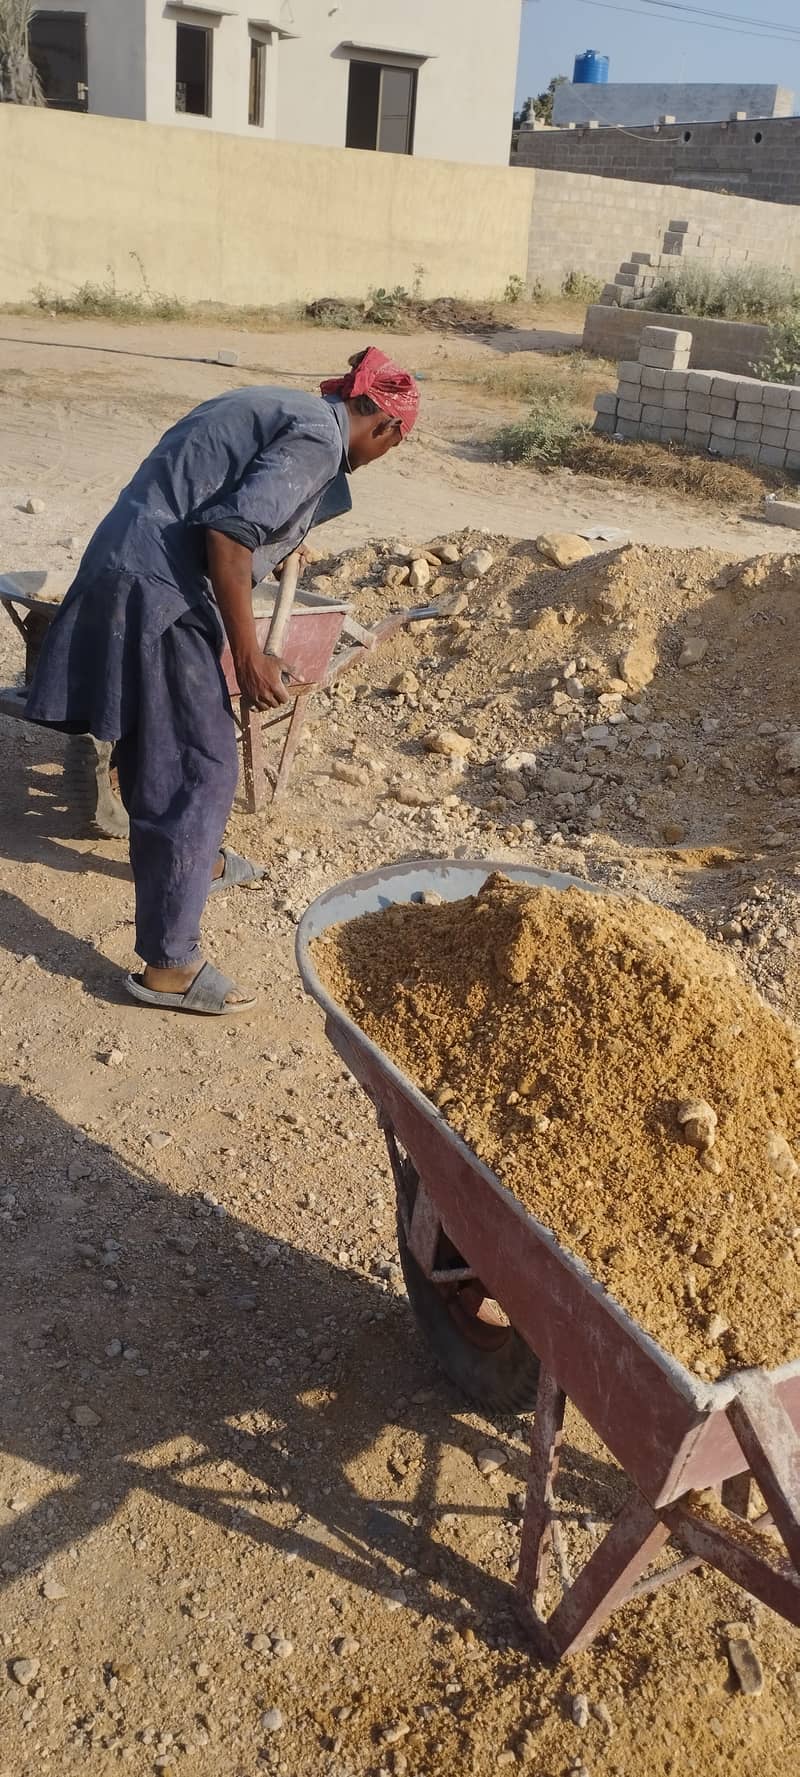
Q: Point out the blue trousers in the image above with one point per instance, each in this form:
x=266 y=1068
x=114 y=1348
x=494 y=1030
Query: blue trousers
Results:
x=178 y=771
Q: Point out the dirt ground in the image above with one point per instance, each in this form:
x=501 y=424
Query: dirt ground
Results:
x=242 y=1523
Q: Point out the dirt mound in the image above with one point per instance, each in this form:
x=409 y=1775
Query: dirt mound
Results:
x=615 y=1071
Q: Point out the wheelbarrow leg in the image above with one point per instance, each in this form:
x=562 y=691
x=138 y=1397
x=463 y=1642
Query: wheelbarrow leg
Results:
x=635 y=1537
x=537 y=1525
x=291 y=745
x=252 y=757
x=772 y=1449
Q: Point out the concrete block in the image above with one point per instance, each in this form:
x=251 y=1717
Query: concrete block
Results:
x=678 y=227
x=653 y=379
x=675 y=399
x=607 y=423
x=666 y=339
x=772 y=457
x=629 y=392
x=673 y=434
x=721 y=427
x=629 y=370
x=744 y=451
x=700 y=382
x=747 y=433
x=697 y=441
x=628 y=429
x=649 y=433
x=748 y=388
x=777 y=394
x=785 y=512
x=721 y=447
x=793 y=435
x=751 y=412
x=626 y=280
x=793 y=460
x=776 y=435
x=642 y=258
x=724 y=409
x=699 y=422
x=605 y=404
x=676 y=379
x=794 y=398
x=652 y=415
x=724 y=387
x=658 y=360
x=698 y=403
x=629 y=410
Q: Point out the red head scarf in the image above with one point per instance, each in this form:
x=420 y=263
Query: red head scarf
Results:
x=393 y=390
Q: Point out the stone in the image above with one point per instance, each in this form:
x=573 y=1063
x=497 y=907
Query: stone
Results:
x=357 y=775
x=420 y=574
x=697 y=1121
x=787 y=757
x=693 y=650
x=272 y=1721
x=637 y=663
x=404 y=685
x=84 y=1416
x=490 y=1459
x=448 y=743
x=159 y=1138
x=558 y=782
x=453 y=604
x=393 y=1732
x=282 y=1647
x=411 y=796
x=114 y=1058
x=519 y=762
x=24 y=1671
x=746 y=1666
x=345 y=1646
x=716 y=1326
x=261 y=1644
x=563 y=548
x=33 y=505
x=53 y=1590
x=579 y=1710
x=476 y=564
x=448 y=552
x=673 y=833
x=780 y=1156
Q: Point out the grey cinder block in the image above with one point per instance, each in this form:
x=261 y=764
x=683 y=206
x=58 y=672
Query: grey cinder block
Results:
x=654 y=379
x=777 y=435
x=629 y=410
x=751 y=412
x=605 y=403
x=783 y=512
x=772 y=456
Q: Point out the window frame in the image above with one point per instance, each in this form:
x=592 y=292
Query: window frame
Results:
x=382 y=69
x=259 y=51
x=206 y=31
x=81 y=100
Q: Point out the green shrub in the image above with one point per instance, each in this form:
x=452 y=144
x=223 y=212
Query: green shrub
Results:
x=546 y=434
x=515 y=288
x=581 y=288
x=106 y=302
x=738 y=293
x=782 y=362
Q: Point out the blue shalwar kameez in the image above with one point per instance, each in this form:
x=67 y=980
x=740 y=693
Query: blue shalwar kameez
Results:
x=133 y=655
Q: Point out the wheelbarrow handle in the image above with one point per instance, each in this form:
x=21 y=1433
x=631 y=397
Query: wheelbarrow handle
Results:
x=284 y=603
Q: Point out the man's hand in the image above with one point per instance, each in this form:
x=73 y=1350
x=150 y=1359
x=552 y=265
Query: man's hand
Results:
x=306 y=555
x=260 y=681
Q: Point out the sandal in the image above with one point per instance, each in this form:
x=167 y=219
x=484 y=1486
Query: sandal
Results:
x=237 y=871
x=207 y=993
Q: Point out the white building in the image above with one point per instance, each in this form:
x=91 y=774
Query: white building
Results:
x=434 y=78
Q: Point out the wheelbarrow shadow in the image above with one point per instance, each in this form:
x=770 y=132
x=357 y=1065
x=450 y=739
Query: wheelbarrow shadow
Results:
x=265 y=1383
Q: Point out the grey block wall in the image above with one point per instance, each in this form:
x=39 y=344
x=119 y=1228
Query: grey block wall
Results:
x=631 y=102
x=758 y=158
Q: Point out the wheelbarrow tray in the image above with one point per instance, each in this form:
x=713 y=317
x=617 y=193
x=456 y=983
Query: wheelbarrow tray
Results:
x=667 y=1427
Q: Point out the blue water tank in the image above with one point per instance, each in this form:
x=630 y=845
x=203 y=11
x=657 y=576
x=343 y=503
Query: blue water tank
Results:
x=590 y=69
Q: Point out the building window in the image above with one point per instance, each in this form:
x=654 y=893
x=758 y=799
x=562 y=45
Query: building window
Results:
x=193 y=70
x=258 y=82
x=380 y=107
x=57 y=48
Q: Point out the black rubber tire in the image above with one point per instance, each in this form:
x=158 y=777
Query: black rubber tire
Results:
x=500 y=1381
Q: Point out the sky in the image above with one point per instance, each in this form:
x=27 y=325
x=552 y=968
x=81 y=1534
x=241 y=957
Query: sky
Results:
x=645 y=45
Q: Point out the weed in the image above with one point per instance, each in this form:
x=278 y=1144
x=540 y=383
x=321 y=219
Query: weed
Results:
x=782 y=361
x=108 y=303
x=580 y=287
x=515 y=288
x=744 y=293
x=547 y=434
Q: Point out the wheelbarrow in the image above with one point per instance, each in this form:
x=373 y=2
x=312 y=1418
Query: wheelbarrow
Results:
x=516 y=1320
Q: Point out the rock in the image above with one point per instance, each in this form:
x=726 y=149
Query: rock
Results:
x=282 y=1647
x=698 y=1122
x=53 y=1590
x=579 y=1710
x=114 y=1058
x=693 y=650
x=637 y=663
x=453 y=604
x=393 y=1732
x=160 y=1138
x=411 y=796
x=448 y=743
x=746 y=1666
x=33 y=505
x=345 y=1646
x=558 y=782
x=490 y=1459
x=420 y=574
x=446 y=552
x=272 y=1721
x=85 y=1416
x=24 y=1671
x=563 y=548
x=716 y=1326
x=404 y=685
x=519 y=762
x=602 y=1713
x=261 y=1644
x=780 y=1156
x=673 y=833
x=476 y=564
x=358 y=775
x=787 y=757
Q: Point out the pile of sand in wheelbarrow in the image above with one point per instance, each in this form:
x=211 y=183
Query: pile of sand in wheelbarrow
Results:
x=615 y=1071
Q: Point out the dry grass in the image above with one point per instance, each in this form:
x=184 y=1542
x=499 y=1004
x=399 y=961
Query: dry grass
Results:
x=667 y=468
x=572 y=377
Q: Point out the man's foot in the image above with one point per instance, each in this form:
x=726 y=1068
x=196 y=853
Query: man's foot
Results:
x=178 y=980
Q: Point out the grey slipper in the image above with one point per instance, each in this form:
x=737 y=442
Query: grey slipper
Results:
x=206 y=993
x=237 y=870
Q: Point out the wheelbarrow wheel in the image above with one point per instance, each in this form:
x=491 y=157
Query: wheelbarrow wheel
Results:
x=470 y=1336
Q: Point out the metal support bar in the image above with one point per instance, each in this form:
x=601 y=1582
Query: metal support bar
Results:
x=537 y=1524
x=424 y=1231
x=761 y=1572
x=772 y=1448
x=635 y=1537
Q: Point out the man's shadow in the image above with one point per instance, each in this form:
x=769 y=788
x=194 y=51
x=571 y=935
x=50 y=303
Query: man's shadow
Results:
x=230 y=1375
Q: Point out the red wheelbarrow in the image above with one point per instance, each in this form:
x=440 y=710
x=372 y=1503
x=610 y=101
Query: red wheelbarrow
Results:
x=516 y=1321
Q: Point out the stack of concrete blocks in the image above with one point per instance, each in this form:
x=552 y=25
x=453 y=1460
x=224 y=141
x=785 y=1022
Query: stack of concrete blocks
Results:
x=638 y=276
x=660 y=400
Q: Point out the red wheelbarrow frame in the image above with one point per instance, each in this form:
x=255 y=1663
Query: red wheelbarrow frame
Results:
x=673 y=1434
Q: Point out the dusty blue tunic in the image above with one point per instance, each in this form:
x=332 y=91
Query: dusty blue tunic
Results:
x=261 y=465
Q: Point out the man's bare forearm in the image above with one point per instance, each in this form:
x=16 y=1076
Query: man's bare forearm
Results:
x=230 y=568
